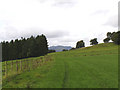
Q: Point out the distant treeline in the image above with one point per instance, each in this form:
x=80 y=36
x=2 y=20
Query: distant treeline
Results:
x=24 y=48
x=113 y=36
x=38 y=46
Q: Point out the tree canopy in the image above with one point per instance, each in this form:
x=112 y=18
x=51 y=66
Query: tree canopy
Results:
x=116 y=37
x=106 y=40
x=23 y=48
x=80 y=44
x=93 y=41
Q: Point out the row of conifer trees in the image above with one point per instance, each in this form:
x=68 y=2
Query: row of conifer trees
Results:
x=24 y=48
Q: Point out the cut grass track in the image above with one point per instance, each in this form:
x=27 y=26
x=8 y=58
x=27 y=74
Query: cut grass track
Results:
x=90 y=67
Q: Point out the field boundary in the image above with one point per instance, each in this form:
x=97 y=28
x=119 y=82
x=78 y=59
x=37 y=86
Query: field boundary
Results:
x=19 y=66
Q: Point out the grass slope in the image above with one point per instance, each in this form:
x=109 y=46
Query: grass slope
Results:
x=89 y=67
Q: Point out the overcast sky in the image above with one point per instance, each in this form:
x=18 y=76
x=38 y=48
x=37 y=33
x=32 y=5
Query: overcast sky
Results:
x=64 y=22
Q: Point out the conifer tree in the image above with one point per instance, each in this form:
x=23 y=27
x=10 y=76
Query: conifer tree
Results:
x=30 y=47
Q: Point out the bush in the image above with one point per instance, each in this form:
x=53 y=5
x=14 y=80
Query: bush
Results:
x=106 y=40
x=93 y=41
x=116 y=38
x=80 y=44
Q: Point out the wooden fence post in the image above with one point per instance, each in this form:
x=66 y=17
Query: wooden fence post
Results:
x=32 y=64
x=17 y=66
x=37 y=62
x=24 y=65
x=5 y=68
x=12 y=65
x=21 y=65
x=40 y=62
x=29 y=64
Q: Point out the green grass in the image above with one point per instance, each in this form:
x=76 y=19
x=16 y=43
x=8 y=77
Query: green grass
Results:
x=90 y=67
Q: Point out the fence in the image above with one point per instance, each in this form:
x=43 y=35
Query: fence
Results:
x=18 y=66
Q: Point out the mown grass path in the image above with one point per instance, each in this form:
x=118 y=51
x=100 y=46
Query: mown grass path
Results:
x=65 y=75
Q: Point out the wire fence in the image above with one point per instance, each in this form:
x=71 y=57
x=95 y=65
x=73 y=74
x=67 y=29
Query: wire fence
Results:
x=18 y=66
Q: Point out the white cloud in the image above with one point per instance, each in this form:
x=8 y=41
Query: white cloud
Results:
x=62 y=21
x=112 y=21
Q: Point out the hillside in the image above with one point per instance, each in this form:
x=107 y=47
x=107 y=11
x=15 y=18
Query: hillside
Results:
x=89 y=67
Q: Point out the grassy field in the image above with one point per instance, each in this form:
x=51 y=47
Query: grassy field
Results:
x=90 y=67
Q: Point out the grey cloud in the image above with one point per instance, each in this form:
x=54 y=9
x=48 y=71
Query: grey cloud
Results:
x=68 y=40
x=119 y=15
x=67 y=3
x=100 y=12
x=56 y=34
x=42 y=1
x=14 y=33
x=60 y=3
x=31 y=31
x=9 y=33
x=112 y=21
x=17 y=33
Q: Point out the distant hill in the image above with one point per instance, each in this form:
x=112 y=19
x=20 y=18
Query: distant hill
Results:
x=60 y=48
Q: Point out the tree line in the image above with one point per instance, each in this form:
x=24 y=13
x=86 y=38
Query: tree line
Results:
x=38 y=46
x=114 y=36
x=24 y=48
